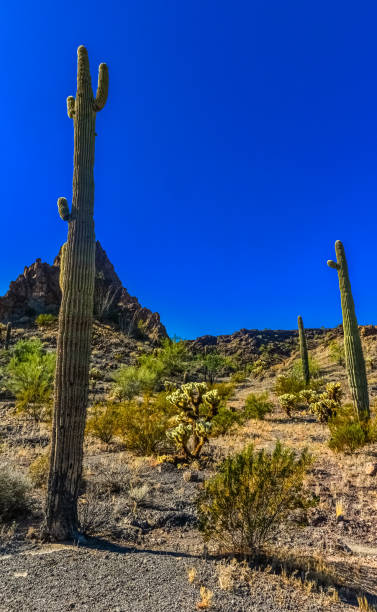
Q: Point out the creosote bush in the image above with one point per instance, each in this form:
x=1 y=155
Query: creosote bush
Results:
x=13 y=494
x=30 y=374
x=257 y=406
x=103 y=422
x=253 y=493
x=46 y=320
x=347 y=433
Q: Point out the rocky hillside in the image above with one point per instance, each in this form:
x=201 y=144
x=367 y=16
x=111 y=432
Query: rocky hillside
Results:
x=37 y=291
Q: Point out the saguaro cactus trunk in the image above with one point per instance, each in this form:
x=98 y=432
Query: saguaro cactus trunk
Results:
x=303 y=350
x=353 y=350
x=76 y=311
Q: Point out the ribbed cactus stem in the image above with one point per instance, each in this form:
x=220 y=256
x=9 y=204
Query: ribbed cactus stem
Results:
x=353 y=350
x=8 y=335
x=303 y=350
x=77 y=273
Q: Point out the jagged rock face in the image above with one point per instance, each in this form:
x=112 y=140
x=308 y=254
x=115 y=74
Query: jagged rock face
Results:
x=37 y=291
x=247 y=344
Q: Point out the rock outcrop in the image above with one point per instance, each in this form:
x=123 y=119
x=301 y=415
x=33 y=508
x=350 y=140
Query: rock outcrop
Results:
x=37 y=291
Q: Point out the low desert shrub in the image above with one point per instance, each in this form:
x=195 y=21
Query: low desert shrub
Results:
x=130 y=381
x=239 y=376
x=347 y=433
x=224 y=421
x=225 y=390
x=13 y=494
x=290 y=383
x=336 y=352
x=38 y=471
x=257 y=406
x=143 y=424
x=46 y=320
x=244 y=505
x=103 y=422
x=30 y=375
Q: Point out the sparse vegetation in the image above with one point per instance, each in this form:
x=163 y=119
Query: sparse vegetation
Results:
x=13 y=494
x=257 y=406
x=46 y=320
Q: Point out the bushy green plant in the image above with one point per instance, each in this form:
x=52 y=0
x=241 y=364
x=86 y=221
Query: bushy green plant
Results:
x=103 y=422
x=143 y=424
x=224 y=421
x=13 y=494
x=257 y=406
x=46 y=320
x=239 y=376
x=244 y=505
x=297 y=372
x=336 y=352
x=347 y=433
x=258 y=368
x=289 y=383
x=130 y=381
x=225 y=390
x=215 y=365
x=196 y=407
x=38 y=471
x=30 y=374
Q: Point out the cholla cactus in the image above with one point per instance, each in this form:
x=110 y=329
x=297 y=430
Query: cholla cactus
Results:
x=328 y=402
x=288 y=402
x=197 y=406
x=355 y=363
x=308 y=396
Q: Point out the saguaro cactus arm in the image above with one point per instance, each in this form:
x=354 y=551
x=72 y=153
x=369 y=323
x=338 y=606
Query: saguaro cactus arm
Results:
x=63 y=209
x=332 y=264
x=102 y=88
x=71 y=107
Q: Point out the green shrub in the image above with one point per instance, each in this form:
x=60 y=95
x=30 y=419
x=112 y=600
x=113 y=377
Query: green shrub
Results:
x=347 y=433
x=290 y=383
x=258 y=368
x=336 y=352
x=224 y=420
x=216 y=365
x=143 y=424
x=238 y=377
x=38 y=471
x=257 y=406
x=244 y=504
x=130 y=381
x=13 y=494
x=296 y=369
x=30 y=375
x=46 y=320
x=225 y=390
x=103 y=422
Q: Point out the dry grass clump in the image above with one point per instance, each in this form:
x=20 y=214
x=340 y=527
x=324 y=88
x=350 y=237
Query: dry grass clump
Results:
x=14 y=501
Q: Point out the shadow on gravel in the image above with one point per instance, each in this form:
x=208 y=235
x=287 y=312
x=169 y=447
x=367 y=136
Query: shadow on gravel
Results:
x=101 y=544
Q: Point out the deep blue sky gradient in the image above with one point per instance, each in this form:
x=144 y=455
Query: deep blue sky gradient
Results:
x=238 y=143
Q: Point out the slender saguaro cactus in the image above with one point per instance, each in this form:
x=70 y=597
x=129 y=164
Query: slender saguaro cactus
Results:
x=7 y=335
x=355 y=363
x=76 y=311
x=303 y=350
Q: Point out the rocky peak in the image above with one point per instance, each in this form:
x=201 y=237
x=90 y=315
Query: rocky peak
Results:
x=37 y=291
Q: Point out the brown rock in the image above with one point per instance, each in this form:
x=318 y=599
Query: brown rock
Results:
x=371 y=469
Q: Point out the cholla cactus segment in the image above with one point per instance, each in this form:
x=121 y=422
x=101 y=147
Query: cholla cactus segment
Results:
x=194 y=391
x=63 y=209
x=212 y=400
x=328 y=403
x=170 y=386
x=303 y=351
x=179 y=399
x=334 y=391
x=203 y=428
x=355 y=363
x=308 y=395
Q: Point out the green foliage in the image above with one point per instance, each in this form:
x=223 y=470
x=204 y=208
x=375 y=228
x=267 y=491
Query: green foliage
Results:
x=239 y=376
x=291 y=383
x=196 y=407
x=224 y=420
x=13 y=494
x=347 y=433
x=30 y=374
x=336 y=352
x=243 y=505
x=103 y=422
x=297 y=371
x=132 y=380
x=46 y=320
x=143 y=424
x=225 y=390
x=216 y=365
x=257 y=406
x=258 y=368
x=289 y=401
x=38 y=471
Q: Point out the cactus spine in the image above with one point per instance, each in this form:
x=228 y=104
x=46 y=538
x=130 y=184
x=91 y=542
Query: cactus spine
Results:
x=303 y=350
x=355 y=363
x=76 y=310
x=7 y=335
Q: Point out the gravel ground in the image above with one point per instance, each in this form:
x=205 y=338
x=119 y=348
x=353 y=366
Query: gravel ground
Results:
x=139 y=581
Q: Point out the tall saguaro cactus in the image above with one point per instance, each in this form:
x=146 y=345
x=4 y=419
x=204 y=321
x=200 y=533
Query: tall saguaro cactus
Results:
x=76 y=311
x=355 y=363
x=303 y=350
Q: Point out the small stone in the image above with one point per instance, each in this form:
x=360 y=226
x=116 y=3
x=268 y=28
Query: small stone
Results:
x=371 y=469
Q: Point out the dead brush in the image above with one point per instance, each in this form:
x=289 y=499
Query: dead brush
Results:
x=206 y=597
x=364 y=605
x=231 y=573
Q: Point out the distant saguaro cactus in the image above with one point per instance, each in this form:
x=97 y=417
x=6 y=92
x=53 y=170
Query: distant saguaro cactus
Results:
x=75 y=318
x=353 y=350
x=303 y=350
x=8 y=333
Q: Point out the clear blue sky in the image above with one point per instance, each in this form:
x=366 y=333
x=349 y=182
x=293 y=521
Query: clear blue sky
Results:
x=238 y=143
